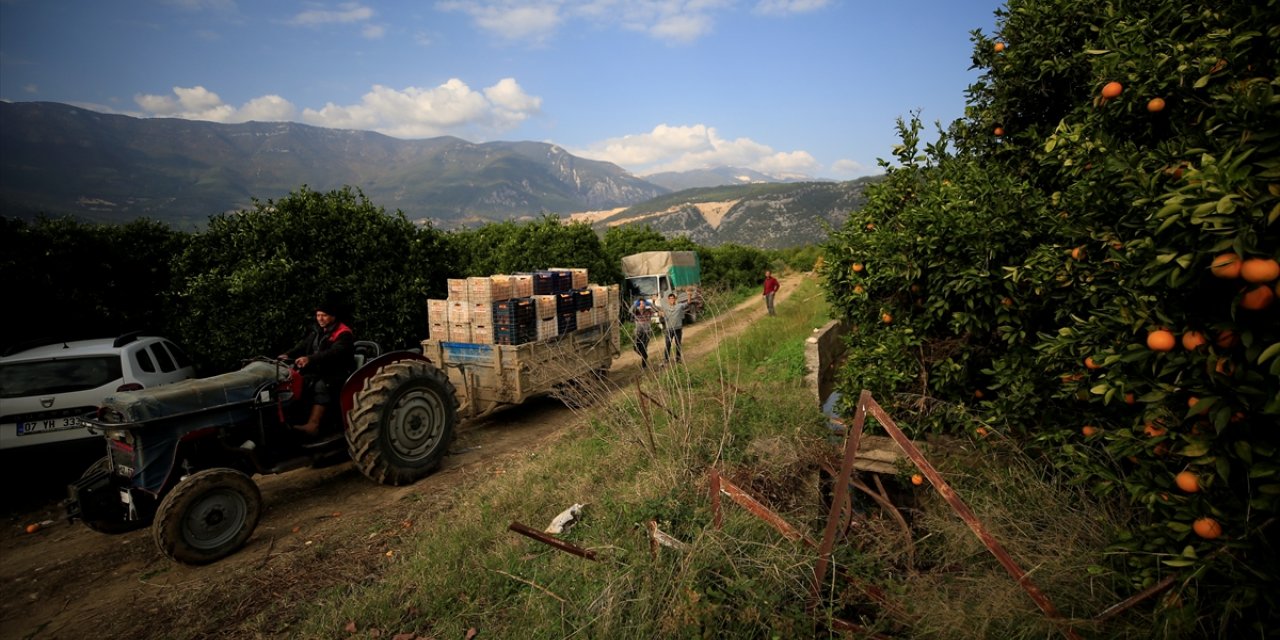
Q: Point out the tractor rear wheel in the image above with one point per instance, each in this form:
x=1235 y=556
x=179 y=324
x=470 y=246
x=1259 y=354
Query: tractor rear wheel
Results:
x=207 y=516
x=402 y=422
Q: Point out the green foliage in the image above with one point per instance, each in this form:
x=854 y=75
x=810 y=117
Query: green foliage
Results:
x=511 y=247
x=249 y=284
x=1006 y=261
x=68 y=279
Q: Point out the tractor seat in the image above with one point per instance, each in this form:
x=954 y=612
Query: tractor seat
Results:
x=189 y=396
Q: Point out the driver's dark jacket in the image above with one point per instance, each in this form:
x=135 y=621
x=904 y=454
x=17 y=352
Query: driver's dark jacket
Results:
x=332 y=352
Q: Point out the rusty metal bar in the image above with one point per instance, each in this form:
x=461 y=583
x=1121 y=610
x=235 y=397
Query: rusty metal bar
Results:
x=551 y=540
x=1127 y=603
x=958 y=505
x=717 y=519
x=760 y=511
x=841 y=495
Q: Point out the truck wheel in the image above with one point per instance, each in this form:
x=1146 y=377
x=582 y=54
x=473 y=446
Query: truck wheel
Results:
x=110 y=526
x=403 y=422
x=207 y=516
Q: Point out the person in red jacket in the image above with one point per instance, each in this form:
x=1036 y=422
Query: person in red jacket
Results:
x=325 y=357
x=770 y=288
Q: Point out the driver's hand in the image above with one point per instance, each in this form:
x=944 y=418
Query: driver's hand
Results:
x=302 y=362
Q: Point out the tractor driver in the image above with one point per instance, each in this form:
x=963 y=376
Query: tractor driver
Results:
x=325 y=357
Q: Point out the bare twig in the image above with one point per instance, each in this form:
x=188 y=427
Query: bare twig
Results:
x=532 y=584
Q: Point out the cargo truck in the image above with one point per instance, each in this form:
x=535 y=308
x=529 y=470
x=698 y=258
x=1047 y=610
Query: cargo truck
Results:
x=653 y=275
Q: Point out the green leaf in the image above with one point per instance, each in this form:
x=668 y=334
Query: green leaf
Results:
x=1269 y=353
x=1195 y=449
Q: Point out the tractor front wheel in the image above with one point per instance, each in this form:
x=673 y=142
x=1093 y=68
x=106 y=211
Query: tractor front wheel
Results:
x=207 y=516
x=402 y=422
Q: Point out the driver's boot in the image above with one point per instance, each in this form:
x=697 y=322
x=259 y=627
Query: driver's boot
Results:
x=312 y=427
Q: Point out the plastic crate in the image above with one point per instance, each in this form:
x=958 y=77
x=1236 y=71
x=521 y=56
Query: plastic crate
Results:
x=583 y=298
x=566 y=322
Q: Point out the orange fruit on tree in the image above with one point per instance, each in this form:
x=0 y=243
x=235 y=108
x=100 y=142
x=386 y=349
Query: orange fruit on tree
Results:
x=1112 y=89
x=977 y=393
x=1193 y=340
x=1154 y=430
x=1160 y=340
x=886 y=318
x=917 y=479
x=1226 y=266
x=1225 y=367
x=1128 y=398
x=1226 y=339
x=1090 y=364
x=999 y=47
x=1089 y=430
x=1155 y=105
x=857 y=267
x=999 y=131
x=1207 y=528
x=981 y=431
x=1259 y=270
x=1257 y=298
x=1187 y=481
x=858 y=289
x=1077 y=253
x=1007 y=302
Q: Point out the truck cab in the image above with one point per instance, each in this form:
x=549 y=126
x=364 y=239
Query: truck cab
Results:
x=655 y=274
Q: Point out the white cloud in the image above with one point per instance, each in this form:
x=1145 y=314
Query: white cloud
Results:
x=846 y=168
x=529 y=21
x=682 y=148
x=198 y=103
x=535 y=21
x=451 y=108
x=203 y=5
x=347 y=13
x=373 y=31
x=783 y=7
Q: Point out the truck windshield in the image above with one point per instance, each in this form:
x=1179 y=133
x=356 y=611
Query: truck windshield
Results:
x=646 y=287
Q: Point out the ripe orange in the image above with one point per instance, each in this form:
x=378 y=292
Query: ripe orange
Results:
x=32 y=528
x=977 y=393
x=1226 y=339
x=1192 y=402
x=999 y=47
x=1187 y=481
x=1207 y=528
x=917 y=479
x=858 y=289
x=1226 y=266
x=886 y=318
x=1154 y=430
x=1089 y=430
x=1257 y=298
x=1112 y=89
x=1160 y=340
x=1090 y=364
x=1128 y=398
x=999 y=131
x=857 y=267
x=1259 y=270
x=1077 y=253
x=1193 y=340
x=1155 y=105
x=1008 y=302
x=1225 y=367
x=981 y=431
x=871 y=226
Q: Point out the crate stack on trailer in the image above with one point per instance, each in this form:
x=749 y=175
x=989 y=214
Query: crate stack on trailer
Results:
x=521 y=308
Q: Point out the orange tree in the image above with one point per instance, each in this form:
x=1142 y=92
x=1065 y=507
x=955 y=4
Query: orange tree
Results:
x=1116 y=176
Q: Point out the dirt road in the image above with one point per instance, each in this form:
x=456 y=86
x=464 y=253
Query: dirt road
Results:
x=66 y=581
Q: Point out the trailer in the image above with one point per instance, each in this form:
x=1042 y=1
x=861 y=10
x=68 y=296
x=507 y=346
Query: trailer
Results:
x=487 y=377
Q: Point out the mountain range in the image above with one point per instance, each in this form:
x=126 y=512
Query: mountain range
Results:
x=59 y=159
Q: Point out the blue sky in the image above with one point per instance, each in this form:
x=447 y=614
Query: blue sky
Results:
x=781 y=86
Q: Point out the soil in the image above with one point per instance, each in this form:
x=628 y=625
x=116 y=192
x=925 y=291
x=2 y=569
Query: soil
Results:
x=66 y=581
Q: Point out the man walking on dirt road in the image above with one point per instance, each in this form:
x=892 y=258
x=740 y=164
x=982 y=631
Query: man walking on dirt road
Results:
x=642 y=312
x=770 y=289
x=673 y=321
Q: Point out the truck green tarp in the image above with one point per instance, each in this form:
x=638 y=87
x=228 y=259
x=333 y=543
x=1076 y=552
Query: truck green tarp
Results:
x=682 y=267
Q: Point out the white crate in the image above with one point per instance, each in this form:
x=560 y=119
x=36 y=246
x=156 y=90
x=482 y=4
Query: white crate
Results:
x=459 y=312
x=458 y=289
x=522 y=285
x=460 y=332
x=547 y=329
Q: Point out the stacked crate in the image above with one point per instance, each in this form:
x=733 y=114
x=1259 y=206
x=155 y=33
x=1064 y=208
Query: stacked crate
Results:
x=613 y=311
x=513 y=321
x=578 y=278
x=545 y=317
x=522 y=285
x=459 y=320
x=585 y=309
x=438 y=319
x=566 y=312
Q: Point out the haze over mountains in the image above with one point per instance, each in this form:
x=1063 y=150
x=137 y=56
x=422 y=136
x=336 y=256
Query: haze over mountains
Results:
x=59 y=159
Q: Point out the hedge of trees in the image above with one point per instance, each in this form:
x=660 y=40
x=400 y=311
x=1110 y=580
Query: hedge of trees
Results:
x=1087 y=262
x=246 y=285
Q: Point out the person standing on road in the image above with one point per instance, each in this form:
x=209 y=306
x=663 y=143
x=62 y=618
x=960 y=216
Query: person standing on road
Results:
x=642 y=312
x=673 y=321
x=770 y=288
x=325 y=357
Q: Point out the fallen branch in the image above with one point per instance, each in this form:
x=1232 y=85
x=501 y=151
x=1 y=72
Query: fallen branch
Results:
x=532 y=584
x=551 y=541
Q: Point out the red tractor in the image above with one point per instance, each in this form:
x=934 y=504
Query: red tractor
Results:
x=180 y=457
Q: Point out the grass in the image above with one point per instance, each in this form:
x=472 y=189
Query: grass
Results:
x=743 y=409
